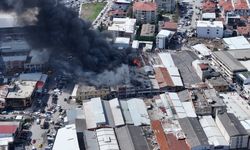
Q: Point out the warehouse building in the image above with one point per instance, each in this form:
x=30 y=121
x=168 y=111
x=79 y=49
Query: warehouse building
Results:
x=236 y=43
x=194 y=133
x=232 y=130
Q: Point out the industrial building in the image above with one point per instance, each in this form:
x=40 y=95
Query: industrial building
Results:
x=194 y=133
x=213 y=133
x=106 y=139
x=232 y=130
x=218 y=83
x=115 y=113
x=228 y=64
x=66 y=138
x=208 y=29
x=87 y=92
x=236 y=43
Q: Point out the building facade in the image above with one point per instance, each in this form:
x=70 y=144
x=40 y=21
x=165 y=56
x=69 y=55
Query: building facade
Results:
x=207 y=29
x=145 y=12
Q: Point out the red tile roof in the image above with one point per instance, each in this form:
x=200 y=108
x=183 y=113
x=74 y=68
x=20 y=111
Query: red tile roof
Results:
x=8 y=129
x=170 y=26
x=160 y=135
x=241 y=4
x=208 y=6
x=243 y=30
x=163 y=77
x=174 y=143
x=227 y=5
x=145 y=6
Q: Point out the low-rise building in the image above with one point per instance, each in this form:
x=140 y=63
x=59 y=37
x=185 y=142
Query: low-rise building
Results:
x=145 y=12
x=37 y=61
x=88 y=92
x=20 y=94
x=147 y=32
x=218 y=83
x=107 y=139
x=202 y=51
x=9 y=131
x=163 y=38
x=123 y=27
x=208 y=16
x=208 y=29
x=122 y=43
x=168 y=25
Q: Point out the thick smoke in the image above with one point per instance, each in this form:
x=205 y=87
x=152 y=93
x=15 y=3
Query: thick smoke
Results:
x=59 y=28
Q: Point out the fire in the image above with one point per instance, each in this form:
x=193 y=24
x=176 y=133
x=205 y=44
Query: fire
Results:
x=137 y=62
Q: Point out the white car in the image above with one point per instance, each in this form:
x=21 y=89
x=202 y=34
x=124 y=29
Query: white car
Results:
x=38 y=121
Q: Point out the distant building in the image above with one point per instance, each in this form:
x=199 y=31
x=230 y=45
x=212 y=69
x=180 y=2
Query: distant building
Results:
x=163 y=39
x=166 y=5
x=207 y=29
x=145 y=12
x=123 y=27
x=232 y=130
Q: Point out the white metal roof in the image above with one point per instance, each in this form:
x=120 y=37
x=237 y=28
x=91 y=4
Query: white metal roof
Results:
x=166 y=59
x=189 y=109
x=236 y=105
x=66 y=138
x=238 y=42
x=138 y=111
x=116 y=112
x=8 y=20
x=212 y=132
x=90 y=117
x=107 y=139
x=97 y=107
x=202 y=49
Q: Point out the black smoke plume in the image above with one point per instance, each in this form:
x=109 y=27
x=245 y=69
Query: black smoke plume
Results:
x=58 y=27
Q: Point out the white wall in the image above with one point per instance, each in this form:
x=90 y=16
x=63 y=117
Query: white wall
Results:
x=209 y=32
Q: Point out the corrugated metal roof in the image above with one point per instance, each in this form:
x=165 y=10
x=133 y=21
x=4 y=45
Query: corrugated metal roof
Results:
x=126 y=113
x=189 y=109
x=138 y=111
x=96 y=104
x=238 y=42
x=116 y=112
x=160 y=134
x=106 y=139
x=166 y=59
x=213 y=133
